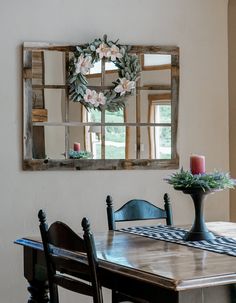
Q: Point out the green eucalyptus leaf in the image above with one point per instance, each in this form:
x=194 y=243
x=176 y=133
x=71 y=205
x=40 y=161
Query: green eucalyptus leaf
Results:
x=82 y=79
x=79 y=49
x=127 y=76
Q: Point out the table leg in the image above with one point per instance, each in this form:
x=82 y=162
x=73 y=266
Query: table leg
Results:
x=36 y=274
x=38 y=291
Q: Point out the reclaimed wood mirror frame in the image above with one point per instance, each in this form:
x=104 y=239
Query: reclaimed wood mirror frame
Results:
x=33 y=128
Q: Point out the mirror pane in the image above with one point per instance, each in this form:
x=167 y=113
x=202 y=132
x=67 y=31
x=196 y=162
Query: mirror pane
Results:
x=155 y=77
x=162 y=113
x=110 y=66
x=93 y=115
x=115 y=141
x=161 y=142
x=156 y=59
x=93 y=80
x=111 y=73
x=155 y=142
x=54 y=142
x=54 y=66
x=96 y=69
x=75 y=111
x=115 y=117
x=110 y=77
x=96 y=145
x=84 y=142
x=130 y=109
x=151 y=101
x=54 y=100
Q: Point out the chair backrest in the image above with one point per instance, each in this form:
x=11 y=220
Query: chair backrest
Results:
x=78 y=273
x=137 y=209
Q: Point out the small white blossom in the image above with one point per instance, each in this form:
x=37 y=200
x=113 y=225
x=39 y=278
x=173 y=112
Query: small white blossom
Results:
x=115 y=53
x=91 y=97
x=101 y=99
x=83 y=64
x=124 y=86
x=103 y=50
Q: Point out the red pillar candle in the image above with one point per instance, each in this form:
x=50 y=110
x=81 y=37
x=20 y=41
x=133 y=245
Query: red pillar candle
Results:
x=77 y=146
x=197 y=164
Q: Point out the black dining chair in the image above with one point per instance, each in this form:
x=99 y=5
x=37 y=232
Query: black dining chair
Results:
x=135 y=210
x=65 y=268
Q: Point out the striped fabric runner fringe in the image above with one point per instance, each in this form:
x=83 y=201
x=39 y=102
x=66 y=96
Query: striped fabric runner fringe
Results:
x=222 y=245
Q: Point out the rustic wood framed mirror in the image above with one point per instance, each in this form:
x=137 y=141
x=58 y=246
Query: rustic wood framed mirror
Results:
x=59 y=134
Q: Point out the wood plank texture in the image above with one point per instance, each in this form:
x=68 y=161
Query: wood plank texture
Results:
x=174 y=103
x=96 y=87
x=138 y=120
x=84 y=164
x=172 y=50
x=74 y=123
x=39 y=115
x=66 y=100
x=38 y=103
x=27 y=107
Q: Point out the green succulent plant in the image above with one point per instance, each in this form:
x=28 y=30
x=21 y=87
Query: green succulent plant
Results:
x=186 y=180
x=83 y=154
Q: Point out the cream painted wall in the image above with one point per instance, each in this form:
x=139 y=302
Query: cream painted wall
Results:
x=199 y=28
x=232 y=100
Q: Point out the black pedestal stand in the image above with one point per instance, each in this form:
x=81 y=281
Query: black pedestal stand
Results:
x=199 y=229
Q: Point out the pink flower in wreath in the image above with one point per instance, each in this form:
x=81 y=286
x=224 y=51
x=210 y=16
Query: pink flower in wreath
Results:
x=124 y=86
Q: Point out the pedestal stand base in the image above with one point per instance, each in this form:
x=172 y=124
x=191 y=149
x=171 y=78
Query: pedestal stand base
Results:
x=199 y=236
x=199 y=229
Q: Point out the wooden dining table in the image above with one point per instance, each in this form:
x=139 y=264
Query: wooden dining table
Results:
x=155 y=270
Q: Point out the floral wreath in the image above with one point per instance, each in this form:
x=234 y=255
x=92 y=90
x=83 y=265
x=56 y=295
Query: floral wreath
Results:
x=84 y=58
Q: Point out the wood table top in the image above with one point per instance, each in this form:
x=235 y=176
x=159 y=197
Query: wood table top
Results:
x=166 y=264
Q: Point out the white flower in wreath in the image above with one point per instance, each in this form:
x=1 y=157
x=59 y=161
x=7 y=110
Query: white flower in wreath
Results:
x=101 y=99
x=115 y=53
x=91 y=97
x=124 y=86
x=103 y=50
x=83 y=64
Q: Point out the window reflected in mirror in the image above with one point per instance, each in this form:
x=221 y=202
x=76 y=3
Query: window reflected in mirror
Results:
x=160 y=136
x=114 y=140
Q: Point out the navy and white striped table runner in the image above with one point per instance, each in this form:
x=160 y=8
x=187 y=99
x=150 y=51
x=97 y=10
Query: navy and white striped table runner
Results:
x=222 y=245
